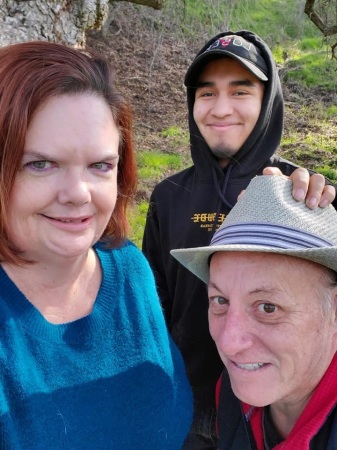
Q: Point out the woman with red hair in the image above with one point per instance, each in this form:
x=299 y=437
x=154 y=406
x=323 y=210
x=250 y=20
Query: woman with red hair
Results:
x=86 y=360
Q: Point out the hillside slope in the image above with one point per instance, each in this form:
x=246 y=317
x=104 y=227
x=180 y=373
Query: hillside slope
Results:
x=151 y=63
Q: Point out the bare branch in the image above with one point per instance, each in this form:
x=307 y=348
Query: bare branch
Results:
x=322 y=25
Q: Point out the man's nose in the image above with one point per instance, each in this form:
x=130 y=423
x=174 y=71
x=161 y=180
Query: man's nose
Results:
x=232 y=333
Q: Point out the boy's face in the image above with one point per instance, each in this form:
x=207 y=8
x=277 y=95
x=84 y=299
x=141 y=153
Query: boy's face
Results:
x=227 y=105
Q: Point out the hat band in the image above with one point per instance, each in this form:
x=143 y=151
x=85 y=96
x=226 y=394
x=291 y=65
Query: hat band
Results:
x=267 y=235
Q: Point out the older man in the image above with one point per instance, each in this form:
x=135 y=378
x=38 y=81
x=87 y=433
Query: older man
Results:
x=271 y=271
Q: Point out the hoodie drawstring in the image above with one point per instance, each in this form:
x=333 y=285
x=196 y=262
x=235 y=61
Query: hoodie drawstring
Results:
x=222 y=191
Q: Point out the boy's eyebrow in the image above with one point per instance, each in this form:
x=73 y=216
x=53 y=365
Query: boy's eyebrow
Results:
x=202 y=84
x=244 y=82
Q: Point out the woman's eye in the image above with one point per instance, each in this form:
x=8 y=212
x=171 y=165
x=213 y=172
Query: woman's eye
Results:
x=102 y=166
x=39 y=165
x=267 y=308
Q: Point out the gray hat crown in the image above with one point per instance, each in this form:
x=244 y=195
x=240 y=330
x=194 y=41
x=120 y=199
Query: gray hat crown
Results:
x=269 y=200
x=267 y=219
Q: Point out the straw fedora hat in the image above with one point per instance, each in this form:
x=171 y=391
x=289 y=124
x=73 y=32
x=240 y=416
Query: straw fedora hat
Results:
x=267 y=219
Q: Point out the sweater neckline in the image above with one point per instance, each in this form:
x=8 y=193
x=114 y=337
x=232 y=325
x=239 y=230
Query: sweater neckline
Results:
x=87 y=328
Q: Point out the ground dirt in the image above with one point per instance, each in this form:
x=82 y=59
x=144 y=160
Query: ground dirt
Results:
x=151 y=61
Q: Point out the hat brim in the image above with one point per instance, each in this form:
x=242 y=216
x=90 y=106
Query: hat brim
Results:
x=196 y=260
x=200 y=62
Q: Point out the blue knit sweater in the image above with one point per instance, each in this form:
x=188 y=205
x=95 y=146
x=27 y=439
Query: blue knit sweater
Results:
x=111 y=380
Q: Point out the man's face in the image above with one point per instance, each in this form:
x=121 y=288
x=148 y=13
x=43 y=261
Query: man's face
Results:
x=266 y=319
x=227 y=106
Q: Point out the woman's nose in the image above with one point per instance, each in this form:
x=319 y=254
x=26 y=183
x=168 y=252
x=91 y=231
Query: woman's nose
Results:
x=75 y=189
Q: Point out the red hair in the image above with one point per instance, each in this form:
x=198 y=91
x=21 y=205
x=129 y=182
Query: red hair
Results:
x=30 y=74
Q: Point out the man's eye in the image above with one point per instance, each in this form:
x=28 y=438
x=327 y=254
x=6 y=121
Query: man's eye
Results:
x=219 y=300
x=267 y=308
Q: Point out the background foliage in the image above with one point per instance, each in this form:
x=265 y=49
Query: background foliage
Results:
x=162 y=45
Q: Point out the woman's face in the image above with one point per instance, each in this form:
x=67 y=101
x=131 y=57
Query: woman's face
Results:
x=66 y=188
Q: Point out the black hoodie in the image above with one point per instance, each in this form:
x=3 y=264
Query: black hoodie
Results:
x=185 y=210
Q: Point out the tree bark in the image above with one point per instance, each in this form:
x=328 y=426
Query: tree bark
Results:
x=64 y=21
x=155 y=4
x=327 y=30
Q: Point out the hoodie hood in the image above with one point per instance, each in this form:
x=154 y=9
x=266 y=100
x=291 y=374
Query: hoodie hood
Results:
x=263 y=141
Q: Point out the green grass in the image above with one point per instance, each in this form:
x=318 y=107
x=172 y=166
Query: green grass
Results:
x=331 y=112
x=137 y=218
x=328 y=173
x=312 y=70
x=311 y=141
x=294 y=39
x=152 y=164
x=155 y=165
x=176 y=136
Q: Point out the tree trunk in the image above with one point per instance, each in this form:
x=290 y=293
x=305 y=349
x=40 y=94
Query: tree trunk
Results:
x=155 y=4
x=64 y=21
x=323 y=13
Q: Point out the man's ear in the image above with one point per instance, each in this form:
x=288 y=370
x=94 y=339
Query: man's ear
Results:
x=334 y=303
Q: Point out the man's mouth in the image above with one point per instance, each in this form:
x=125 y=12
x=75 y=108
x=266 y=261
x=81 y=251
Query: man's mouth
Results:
x=250 y=367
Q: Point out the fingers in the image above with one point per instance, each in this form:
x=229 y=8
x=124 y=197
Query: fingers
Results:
x=300 y=178
x=241 y=194
x=272 y=171
x=311 y=189
x=328 y=196
x=301 y=181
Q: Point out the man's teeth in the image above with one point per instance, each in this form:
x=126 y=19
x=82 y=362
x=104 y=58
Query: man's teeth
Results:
x=254 y=366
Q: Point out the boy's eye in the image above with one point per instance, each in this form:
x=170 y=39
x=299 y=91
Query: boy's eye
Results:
x=239 y=93
x=203 y=92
